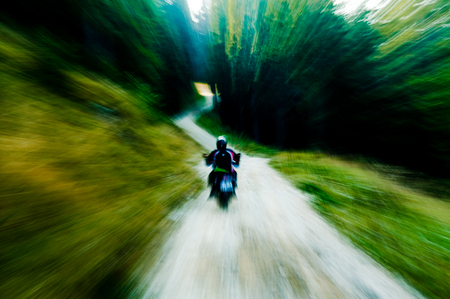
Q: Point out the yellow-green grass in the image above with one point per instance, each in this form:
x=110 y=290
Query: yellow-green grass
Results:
x=400 y=226
x=406 y=231
x=86 y=180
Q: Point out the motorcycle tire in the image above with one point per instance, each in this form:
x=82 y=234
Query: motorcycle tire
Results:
x=223 y=200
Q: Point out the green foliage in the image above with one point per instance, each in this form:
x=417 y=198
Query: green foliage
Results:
x=115 y=39
x=304 y=74
x=404 y=230
x=89 y=173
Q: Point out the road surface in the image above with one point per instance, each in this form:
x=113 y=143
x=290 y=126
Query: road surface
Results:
x=269 y=244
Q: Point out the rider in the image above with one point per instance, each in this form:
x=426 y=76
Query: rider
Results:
x=222 y=160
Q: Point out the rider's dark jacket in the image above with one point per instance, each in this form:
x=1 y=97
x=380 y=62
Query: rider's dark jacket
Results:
x=215 y=156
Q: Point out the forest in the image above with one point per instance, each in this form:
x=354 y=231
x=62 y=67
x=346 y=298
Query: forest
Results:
x=316 y=74
x=296 y=74
x=143 y=45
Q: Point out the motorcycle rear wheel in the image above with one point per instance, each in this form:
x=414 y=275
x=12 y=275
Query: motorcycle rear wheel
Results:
x=224 y=198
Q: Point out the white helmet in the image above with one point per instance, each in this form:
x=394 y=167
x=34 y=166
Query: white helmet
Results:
x=221 y=142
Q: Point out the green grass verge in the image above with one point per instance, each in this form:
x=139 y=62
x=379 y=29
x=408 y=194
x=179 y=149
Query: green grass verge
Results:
x=88 y=174
x=404 y=229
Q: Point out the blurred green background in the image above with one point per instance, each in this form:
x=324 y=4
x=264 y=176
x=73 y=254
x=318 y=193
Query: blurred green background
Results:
x=349 y=99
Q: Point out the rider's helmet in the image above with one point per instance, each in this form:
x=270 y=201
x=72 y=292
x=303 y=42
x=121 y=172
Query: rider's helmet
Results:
x=221 y=142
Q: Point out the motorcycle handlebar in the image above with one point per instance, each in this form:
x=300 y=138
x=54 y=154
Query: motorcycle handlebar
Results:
x=205 y=156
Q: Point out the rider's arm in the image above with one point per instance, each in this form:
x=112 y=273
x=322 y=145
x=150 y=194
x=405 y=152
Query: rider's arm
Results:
x=235 y=157
x=210 y=158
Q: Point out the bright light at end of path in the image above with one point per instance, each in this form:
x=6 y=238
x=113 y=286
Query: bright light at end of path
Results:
x=195 y=6
x=203 y=89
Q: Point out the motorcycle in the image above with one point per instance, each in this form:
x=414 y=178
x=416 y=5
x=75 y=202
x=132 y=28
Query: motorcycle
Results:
x=223 y=185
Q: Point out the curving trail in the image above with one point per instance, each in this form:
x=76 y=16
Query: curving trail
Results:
x=269 y=244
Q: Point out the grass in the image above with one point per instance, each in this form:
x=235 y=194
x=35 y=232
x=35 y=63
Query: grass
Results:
x=400 y=226
x=87 y=177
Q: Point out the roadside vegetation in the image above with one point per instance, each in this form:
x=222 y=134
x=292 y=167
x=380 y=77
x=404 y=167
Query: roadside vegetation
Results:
x=313 y=74
x=89 y=172
x=381 y=209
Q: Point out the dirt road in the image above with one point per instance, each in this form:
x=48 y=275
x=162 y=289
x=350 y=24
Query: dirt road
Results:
x=269 y=244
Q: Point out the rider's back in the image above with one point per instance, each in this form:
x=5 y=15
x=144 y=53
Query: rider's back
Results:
x=224 y=160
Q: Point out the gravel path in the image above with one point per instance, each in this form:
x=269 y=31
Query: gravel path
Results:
x=269 y=244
